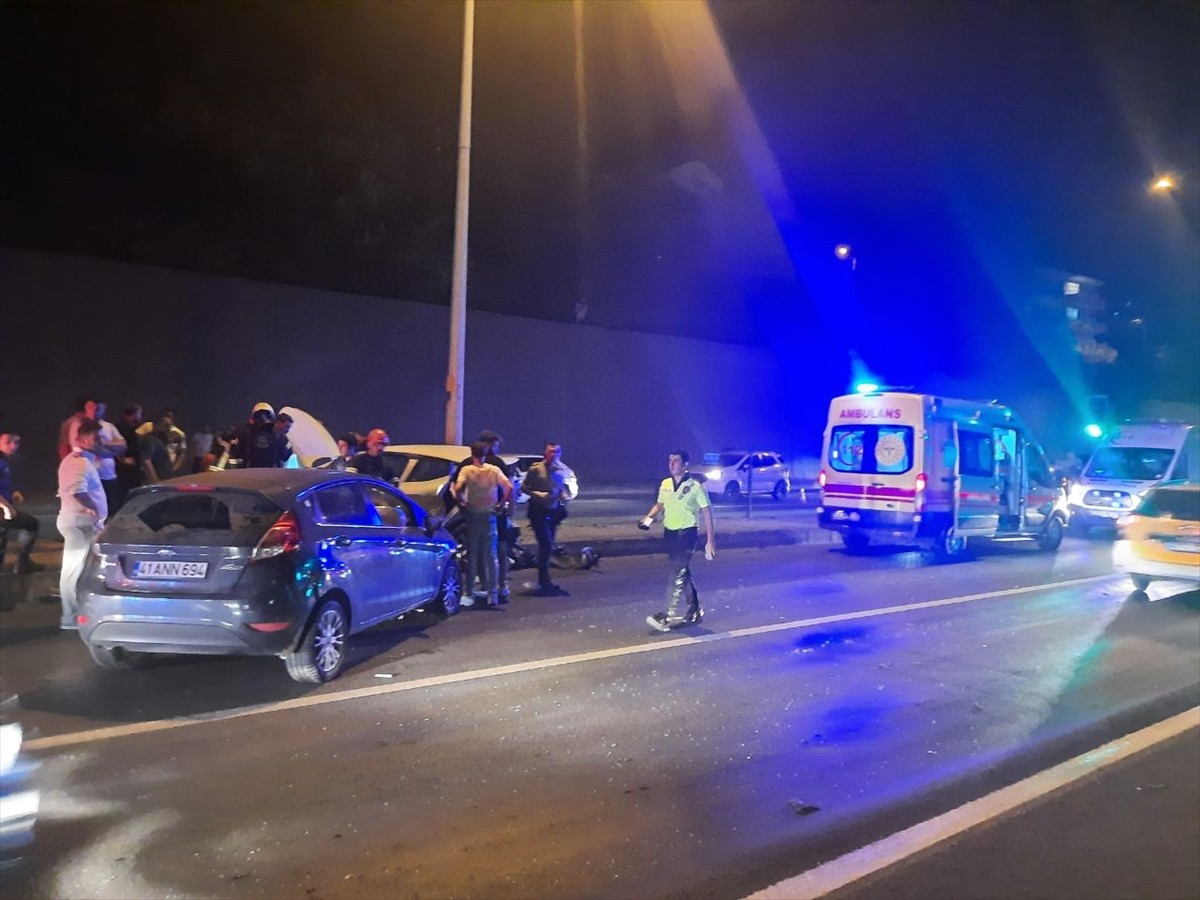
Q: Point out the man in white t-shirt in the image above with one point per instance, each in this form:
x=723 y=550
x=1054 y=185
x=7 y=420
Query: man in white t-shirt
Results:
x=83 y=509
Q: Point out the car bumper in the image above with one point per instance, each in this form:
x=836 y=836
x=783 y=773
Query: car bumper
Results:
x=163 y=624
x=1126 y=559
x=1086 y=517
x=881 y=523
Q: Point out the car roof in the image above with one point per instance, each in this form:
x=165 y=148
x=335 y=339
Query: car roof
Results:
x=452 y=452
x=281 y=486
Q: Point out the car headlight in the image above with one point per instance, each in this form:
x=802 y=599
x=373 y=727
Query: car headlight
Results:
x=1076 y=494
x=713 y=474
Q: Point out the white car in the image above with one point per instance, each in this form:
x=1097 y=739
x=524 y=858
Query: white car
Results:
x=733 y=474
x=423 y=471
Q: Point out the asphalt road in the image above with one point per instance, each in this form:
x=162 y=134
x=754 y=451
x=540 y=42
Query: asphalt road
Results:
x=556 y=748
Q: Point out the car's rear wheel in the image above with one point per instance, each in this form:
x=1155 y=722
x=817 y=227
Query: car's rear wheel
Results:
x=322 y=651
x=450 y=592
x=115 y=657
x=950 y=546
x=1051 y=535
x=780 y=490
x=1140 y=582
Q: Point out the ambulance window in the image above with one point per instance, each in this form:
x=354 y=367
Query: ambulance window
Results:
x=893 y=450
x=978 y=457
x=1035 y=465
x=846 y=449
x=872 y=449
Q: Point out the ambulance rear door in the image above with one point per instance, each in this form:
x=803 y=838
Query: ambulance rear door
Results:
x=941 y=469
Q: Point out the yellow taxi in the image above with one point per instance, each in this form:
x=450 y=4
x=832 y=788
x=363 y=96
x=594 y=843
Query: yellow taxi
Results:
x=1160 y=539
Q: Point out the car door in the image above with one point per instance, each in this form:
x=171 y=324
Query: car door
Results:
x=415 y=557
x=357 y=550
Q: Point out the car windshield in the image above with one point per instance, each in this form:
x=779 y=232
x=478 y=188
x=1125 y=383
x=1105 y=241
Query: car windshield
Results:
x=1163 y=504
x=1131 y=463
x=227 y=518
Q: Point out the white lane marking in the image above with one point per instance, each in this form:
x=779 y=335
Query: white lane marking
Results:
x=116 y=731
x=867 y=860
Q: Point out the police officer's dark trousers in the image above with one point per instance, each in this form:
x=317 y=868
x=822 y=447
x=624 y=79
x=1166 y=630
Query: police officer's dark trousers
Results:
x=681 y=544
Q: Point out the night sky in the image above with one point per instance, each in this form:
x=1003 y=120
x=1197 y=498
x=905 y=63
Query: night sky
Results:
x=972 y=154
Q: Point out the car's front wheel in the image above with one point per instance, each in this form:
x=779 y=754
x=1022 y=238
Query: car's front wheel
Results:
x=115 y=657
x=733 y=493
x=322 y=651
x=1051 y=535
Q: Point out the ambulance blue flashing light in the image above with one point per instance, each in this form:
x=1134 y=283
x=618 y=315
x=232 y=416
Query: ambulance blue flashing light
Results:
x=866 y=387
x=1093 y=430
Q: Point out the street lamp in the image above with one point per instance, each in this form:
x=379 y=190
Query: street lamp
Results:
x=845 y=252
x=1164 y=184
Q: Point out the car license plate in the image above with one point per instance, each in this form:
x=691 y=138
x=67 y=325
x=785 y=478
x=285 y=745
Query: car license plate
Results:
x=169 y=568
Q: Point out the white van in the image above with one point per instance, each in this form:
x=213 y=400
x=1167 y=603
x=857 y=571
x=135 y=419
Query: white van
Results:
x=1130 y=460
x=931 y=471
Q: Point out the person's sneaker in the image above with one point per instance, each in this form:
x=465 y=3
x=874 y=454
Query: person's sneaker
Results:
x=502 y=596
x=466 y=600
x=658 y=622
x=694 y=615
x=68 y=626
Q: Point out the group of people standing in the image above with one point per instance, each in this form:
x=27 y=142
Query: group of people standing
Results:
x=100 y=462
x=482 y=485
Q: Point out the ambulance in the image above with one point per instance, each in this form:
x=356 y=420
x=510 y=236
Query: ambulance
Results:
x=935 y=472
x=1130 y=460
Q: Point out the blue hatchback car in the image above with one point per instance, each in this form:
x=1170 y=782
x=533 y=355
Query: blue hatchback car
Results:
x=281 y=562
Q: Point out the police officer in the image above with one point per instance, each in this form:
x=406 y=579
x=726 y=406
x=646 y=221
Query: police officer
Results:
x=682 y=500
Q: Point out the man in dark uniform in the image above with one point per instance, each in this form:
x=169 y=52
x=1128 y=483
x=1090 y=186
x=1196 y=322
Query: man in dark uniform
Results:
x=371 y=461
x=258 y=444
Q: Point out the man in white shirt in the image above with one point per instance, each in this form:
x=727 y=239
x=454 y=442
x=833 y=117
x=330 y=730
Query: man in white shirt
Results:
x=83 y=509
x=110 y=446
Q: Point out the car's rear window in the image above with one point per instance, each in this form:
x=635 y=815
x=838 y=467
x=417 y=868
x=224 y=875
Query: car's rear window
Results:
x=1164 y=504
x=227 y=518
x=871 y=449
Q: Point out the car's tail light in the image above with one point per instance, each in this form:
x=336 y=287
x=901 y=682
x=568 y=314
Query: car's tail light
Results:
x=282 y=537
x=821 y=478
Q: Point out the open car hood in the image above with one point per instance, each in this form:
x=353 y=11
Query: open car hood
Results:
x=309 y=437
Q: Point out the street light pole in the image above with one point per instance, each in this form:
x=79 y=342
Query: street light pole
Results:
x=458 y=284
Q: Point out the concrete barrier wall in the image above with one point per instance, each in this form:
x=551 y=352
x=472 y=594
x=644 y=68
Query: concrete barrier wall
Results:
x=210 y=347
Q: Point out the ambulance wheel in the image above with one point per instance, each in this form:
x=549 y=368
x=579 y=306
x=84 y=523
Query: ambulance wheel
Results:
x=855 y=541
x=1051 y=535
x=950 y=546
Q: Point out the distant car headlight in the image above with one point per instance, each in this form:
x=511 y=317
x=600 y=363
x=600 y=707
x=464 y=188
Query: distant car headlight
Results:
x=1076 y=493
x=712 y=474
